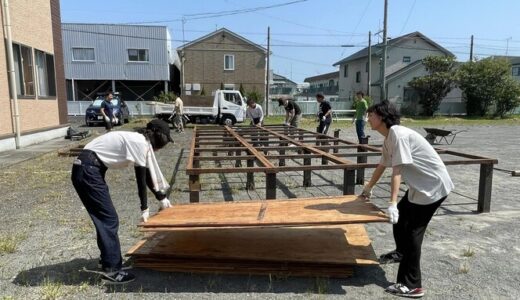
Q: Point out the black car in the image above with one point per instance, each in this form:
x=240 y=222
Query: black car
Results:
x=93 y=114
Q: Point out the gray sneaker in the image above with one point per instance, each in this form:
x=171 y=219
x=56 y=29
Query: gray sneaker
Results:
x=118 y=277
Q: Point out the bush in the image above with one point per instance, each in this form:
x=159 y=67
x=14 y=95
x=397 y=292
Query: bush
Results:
x=165 y=97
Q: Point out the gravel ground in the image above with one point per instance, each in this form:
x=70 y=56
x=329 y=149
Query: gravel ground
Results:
x=46 y=236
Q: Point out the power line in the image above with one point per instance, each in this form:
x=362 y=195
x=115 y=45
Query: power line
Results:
x=408 y=17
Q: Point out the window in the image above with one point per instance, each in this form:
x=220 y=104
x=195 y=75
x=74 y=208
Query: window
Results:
x=366 y=67
x=138 y=55
x=45 y=74
x=229 y=62
x=83 y=54
x=23 y=69
x=358 y=76
x=345 y=71
x=516 y=71
x=331 y=82
x=407 y=59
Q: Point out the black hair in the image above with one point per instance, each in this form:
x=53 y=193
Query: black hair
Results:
x=360 y=93
x=156 y=138
x=388 y=113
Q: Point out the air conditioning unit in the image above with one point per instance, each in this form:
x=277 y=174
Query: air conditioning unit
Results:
x=187 y=87
x=196 y=87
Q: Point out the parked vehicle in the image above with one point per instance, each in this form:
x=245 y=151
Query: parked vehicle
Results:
x=225 y=107
x=93 y=114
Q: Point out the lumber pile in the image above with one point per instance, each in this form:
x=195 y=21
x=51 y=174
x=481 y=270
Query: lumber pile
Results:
x=305 y=237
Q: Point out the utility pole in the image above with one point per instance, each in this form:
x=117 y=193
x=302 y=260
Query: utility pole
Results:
x=383 y=60
x=267 y=74
x=369 y=78
x=471 y=49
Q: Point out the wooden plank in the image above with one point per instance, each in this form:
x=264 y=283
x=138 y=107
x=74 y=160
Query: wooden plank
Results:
x=342 y=245
x=306 y=211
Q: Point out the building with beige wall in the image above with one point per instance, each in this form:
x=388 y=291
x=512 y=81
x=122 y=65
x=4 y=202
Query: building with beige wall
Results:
x=222 y=59
x=403 y=64
x=39 y=75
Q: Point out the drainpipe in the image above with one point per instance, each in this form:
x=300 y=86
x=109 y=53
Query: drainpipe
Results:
x=12 y=78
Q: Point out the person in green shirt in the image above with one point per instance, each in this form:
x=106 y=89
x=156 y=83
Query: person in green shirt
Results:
x=361 y=115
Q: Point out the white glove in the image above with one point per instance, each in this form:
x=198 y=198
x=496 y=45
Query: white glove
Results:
x=367 y=193
x=165 y=203
x=323 y=118
x=107 y=119
x=286 y=124
x=115 y=120
x=145 y=215
x=393 y=213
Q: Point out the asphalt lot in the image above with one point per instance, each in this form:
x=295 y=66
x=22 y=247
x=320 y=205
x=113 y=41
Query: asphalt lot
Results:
x=46 y=236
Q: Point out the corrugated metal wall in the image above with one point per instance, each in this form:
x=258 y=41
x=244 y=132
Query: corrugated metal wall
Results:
x=111 y=44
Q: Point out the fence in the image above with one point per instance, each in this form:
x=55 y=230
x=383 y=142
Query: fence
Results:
x=136 y=108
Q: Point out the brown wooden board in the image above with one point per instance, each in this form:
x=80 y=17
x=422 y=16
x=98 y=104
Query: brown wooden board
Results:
x=299 y=212
x=345 y=245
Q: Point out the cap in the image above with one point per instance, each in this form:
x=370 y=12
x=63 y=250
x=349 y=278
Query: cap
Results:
x=160 y=126
x=281 y=100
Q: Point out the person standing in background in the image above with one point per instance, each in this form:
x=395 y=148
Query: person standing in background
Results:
x=178 y=114
x=107 y=110
x=361 y=115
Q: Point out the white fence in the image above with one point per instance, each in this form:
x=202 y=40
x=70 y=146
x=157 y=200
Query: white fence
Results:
x=136 y=108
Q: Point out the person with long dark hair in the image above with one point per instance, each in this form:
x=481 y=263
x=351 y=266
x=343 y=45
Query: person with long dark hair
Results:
x=414 y=161
x=119 y=149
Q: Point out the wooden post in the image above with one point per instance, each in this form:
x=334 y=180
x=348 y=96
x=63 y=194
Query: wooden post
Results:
x=336 y=135
x=349 y=187
x=238 y=162
x=250 y=185
x=484 y=188
x=270 y=186
x=360 y=173
x=307 y=173
x=281 y=161
x=194 y=184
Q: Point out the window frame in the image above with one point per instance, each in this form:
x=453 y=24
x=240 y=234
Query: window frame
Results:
x=84 y=60
x=146 y=52
x=232 y=68
x=517 y=68
x=345 y=71
x=49 y=73
x=407 y=59
x=21 y=71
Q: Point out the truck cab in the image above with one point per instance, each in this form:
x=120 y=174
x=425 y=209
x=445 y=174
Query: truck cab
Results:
x=232 y=107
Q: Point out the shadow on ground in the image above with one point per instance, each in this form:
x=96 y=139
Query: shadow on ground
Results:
x=69 y=273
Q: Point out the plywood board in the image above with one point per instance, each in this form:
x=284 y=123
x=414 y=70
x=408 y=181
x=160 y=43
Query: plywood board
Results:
x=298 y=212
x=345 y=245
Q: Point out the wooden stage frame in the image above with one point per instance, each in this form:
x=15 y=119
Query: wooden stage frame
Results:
x=255 y=145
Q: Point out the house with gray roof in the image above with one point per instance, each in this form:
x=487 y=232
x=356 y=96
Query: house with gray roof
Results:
x=403 y=64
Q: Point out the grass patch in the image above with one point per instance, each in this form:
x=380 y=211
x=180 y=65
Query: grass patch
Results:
x=321 y=285
x=464 y=268
x=51 y=289
x=468 y=252
x=9 y=243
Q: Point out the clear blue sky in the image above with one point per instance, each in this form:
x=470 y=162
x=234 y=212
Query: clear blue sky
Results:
x=319 y=27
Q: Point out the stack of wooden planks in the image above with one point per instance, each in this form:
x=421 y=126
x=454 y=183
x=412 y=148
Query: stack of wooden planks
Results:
x=304 y=237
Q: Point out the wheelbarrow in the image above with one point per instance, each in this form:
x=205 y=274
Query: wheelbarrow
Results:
x=436 y=136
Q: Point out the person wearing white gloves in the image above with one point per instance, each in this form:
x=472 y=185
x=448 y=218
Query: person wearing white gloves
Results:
x=414 y=161
x=324 y=114
x=115 y=150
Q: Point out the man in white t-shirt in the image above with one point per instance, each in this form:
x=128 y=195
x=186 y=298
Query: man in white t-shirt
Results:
x=414 y=161
x=178 y=112
x=119 y=149
x=254 y=112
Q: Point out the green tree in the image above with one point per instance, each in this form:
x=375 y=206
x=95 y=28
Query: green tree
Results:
x=165 y=97
x=485 y=83
x=434 y=86
x=508 y=97
x=255 y=95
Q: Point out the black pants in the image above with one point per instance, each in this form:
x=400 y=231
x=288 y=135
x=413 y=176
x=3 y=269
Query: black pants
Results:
x=408 y=235
x=88 y=178
x=323 y=127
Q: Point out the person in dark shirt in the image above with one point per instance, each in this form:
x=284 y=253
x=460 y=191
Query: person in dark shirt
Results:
x=293 y=113
x=107 y=110
x=324 y=114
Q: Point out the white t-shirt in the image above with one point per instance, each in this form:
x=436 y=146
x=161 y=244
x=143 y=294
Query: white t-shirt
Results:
x=179 y=106
x=120 y=149
x=422 y=168
x=255 y=113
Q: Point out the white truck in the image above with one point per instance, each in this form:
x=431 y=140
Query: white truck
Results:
x=225 y=107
